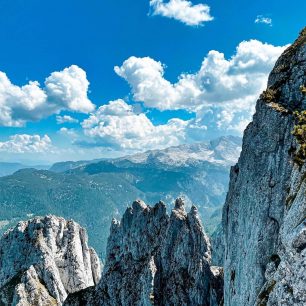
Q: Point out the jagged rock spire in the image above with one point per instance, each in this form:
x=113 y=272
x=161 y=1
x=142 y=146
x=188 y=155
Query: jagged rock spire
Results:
x=45 y=259
x=156 y=259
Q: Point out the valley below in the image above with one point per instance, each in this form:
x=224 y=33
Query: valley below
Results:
x=94 y=192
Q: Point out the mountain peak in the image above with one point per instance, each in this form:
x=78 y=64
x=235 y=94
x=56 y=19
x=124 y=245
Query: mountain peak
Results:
x=223 y=151
x=43 y=260
x=157 y=260
x=179 y=204
x=287 y=81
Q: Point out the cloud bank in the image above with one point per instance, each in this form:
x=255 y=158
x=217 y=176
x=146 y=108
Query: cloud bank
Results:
x=23 y=143
x=116 y=125
x=222 y=94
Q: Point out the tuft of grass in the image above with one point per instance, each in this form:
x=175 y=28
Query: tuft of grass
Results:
x=299 y=131
x=264 y=294
x=303 y=89
x=269 y=95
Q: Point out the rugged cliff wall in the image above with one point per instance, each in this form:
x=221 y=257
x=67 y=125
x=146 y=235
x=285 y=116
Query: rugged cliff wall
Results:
x=264 y=214
x=43 y=260
x=156 y=259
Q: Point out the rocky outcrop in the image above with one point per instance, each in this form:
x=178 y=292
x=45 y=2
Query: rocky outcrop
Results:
x=264 y=214
x=183 y=273
x=156 y=259
x=43 y=260
x=128 y=277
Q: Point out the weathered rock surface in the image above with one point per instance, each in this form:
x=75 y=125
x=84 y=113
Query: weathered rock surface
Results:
x=128 y=276
x=264 y=214
x=184 y=261
x=217 y=245
x=43 y=260
x=154 y=259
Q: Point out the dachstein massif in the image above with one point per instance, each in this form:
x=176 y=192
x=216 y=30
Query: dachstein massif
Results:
x=153 y=258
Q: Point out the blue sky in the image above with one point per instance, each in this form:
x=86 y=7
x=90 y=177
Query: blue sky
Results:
x=153 y=45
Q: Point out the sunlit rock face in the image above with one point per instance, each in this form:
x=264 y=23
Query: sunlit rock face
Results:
x=154 y=259
x=128 y=277
x=184 y=275
x=45 y=259
x=264 y=214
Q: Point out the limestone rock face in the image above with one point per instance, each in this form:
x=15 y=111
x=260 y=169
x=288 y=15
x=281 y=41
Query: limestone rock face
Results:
x=43 y=260
x=217 y=245
x=184 y=274
x=128 y=276
x=154 y=259
x=264 y=214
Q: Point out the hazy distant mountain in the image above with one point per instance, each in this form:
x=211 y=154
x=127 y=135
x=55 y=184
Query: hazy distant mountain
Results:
x=92 y=193
x=68 y=165
x=222 y=151
x=10 y=168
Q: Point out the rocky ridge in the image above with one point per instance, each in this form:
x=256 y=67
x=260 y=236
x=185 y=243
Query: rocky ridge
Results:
x=43 y=260
x=156 y=259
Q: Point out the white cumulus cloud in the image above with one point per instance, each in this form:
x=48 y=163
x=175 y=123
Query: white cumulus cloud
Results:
x=223 y=91
x=146 y=78
x=264 y=20
x=66 y=119
x=23 y=143
x=63 y=90
x=68 y=89
x=70 y=133
x=182 y=10
x=116 y=125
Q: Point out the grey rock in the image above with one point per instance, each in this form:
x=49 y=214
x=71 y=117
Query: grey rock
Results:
x=128 y=276
x=217 y=245
x=156 y=260
x=184 y=273
x=264 y=236
x=43 y=260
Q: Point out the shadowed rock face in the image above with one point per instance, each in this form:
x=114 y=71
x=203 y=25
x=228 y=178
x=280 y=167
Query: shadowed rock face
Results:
x=43 y=260
x=156 y=259
x=264 y=214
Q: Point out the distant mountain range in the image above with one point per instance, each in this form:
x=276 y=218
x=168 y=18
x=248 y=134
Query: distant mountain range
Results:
x=93 y=192
x=10 y=168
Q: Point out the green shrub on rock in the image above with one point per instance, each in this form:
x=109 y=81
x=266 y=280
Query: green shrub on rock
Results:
x=299 y=131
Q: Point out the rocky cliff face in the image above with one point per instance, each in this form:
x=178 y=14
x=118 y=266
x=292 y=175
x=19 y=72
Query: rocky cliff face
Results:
x=264 y=214
x=184 y=261
x=156 y=259
x=43 y=260
x=128 y=277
